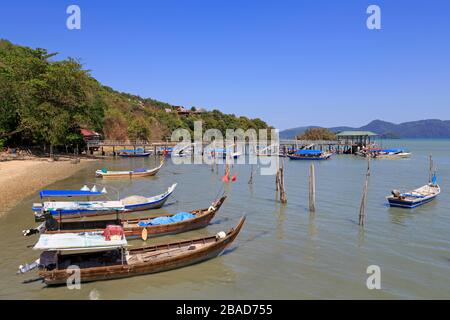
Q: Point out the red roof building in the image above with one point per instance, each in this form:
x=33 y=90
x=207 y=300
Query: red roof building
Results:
x=89 y=134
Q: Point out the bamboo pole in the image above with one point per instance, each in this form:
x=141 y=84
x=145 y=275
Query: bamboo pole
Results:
x=213 y=155
x=277 y=181
x=227 y=171
x=362 y=208
x=277 y=177
x=312 y=189
x=283 y=198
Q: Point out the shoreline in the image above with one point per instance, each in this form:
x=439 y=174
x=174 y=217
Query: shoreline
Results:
x=21 y=178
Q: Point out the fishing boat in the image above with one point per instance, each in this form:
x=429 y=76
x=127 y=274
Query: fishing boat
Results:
x=88 y=208
x=181 y=151
x=268 y=151
x=133 y=228
x=225 y=153
x=135 y=153
x=310 y=155
x=104 y=173
x=101 y=259
x=392 y=154
x=378 y=153
x=415 y=198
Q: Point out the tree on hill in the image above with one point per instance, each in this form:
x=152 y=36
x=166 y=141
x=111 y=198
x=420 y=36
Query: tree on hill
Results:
x=45 y=101
x=317 y=134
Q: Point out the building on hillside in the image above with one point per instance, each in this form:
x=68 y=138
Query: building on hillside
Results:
x=91 y=138
x=357 y=139
x=183 y=111
x=186 y=112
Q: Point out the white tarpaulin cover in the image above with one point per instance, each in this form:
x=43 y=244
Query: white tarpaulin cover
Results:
x=83 y=205
x=76 y=241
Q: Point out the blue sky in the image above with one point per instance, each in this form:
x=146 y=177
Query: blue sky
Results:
x=291 y=63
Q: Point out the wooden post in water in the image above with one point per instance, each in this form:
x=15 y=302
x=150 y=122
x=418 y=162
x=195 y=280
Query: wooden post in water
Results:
x=277 y=181
x=250 y=181
x=283 y=198
x=227 y=170
x=312 y=189
x=277 y=177
x=362 y=208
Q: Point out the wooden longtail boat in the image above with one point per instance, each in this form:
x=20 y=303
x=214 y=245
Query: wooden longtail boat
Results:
x=129 y=174
x=113 y=263
x=131 y=227
x=70 y=209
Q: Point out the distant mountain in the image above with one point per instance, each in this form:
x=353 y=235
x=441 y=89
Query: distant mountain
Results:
x=432 y=128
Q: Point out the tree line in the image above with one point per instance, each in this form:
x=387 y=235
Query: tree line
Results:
x=44 y=101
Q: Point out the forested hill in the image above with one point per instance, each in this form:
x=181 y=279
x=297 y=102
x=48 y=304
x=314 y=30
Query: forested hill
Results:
x=431 y=128
x=46 y=101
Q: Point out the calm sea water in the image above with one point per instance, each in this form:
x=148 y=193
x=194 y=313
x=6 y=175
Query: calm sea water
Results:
x=282 y=252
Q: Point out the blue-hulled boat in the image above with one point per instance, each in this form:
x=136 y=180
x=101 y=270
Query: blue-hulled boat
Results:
x=71 y=209
x=416 y=197
x=140 y=152
x=309 y=155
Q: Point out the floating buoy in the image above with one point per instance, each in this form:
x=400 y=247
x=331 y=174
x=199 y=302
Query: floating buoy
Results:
x=221 y=235
x=144 y=234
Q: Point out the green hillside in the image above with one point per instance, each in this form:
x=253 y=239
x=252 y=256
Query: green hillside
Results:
x=47 y=101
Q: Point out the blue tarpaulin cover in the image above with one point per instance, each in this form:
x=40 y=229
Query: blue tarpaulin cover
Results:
x=138 y=150
x=140 y=170
x=308 y=152
x=180 y=216
x=392 y=150
x=67 y=193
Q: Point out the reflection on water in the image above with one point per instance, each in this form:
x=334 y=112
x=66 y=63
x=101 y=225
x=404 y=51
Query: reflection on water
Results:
x=283 y=251
x=281 y=217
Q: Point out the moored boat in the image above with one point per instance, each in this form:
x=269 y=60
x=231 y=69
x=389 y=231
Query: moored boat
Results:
x=135 y=153
x=310 y=155
x=378 y=153
x=100 y=259
x=133 y=228
x=223 y=153
x=104 y=173
x=68 y=209
x=414 y=198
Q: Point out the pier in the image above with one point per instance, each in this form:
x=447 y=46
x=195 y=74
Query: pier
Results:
x=345 y=145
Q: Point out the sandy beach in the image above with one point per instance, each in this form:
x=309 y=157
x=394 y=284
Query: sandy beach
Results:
x=20 y=178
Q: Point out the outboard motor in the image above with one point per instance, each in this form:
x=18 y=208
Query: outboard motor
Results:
x=50 y=223
x=396 y=193
x=28 y=267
